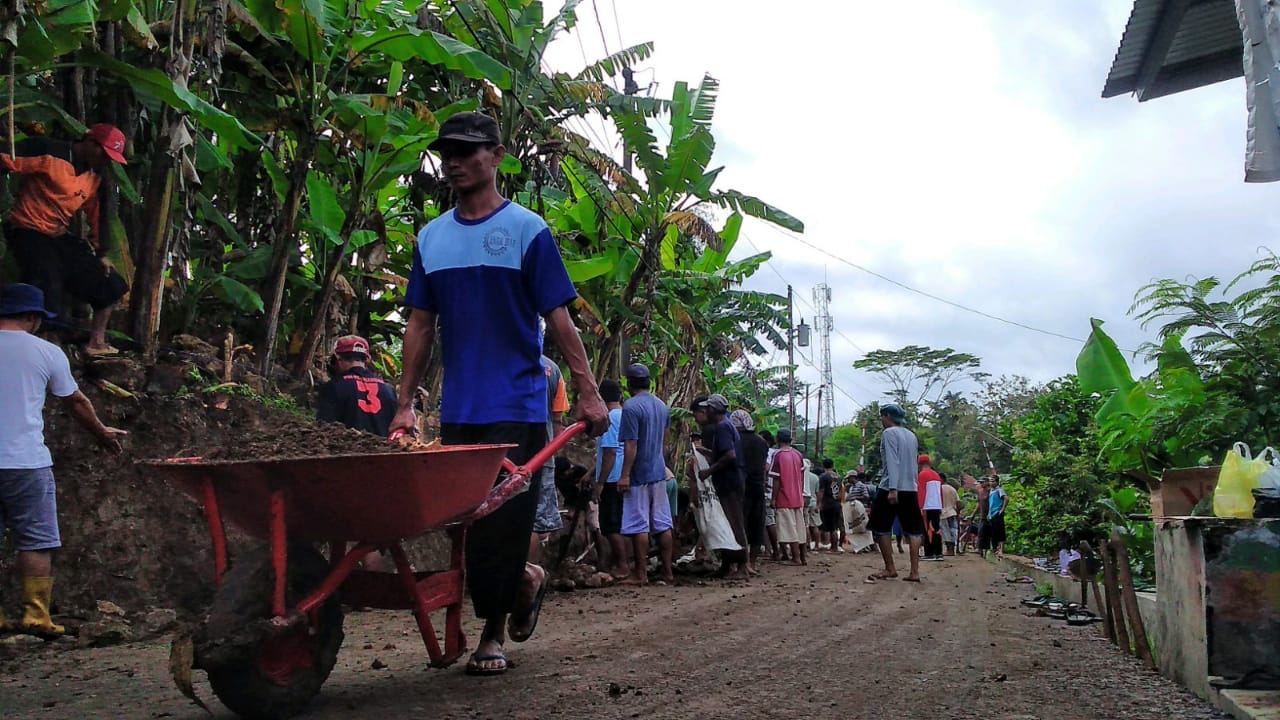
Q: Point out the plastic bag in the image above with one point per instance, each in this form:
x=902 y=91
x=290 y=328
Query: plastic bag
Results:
x=1233 y=498
x=713 y=525
x=1270 y=477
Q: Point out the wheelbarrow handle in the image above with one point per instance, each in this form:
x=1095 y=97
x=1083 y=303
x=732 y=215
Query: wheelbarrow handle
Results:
x=518 y=477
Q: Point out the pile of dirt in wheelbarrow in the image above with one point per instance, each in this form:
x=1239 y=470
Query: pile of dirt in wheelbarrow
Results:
x=301 y=438
x=130 y=537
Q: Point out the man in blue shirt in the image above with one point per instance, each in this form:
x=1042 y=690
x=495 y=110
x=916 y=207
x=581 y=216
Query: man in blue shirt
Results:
x=726 y=473
x=643 y=484
x=608 y=471
x=994 y=527
x=483 y=273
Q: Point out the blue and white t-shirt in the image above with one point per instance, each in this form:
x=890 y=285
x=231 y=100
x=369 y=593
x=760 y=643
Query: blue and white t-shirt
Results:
x=609 y=443
x=488 y=281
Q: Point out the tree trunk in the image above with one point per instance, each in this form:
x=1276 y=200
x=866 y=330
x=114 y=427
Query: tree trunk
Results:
x=1130 y=598
x=286 y=242
x=148 y=280
x=312 y=340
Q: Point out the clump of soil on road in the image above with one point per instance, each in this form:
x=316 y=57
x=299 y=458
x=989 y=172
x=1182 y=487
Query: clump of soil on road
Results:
x=297 y=438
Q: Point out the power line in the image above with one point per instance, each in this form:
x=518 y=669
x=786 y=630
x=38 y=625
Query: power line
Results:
x=617 y=23
x=931 y=296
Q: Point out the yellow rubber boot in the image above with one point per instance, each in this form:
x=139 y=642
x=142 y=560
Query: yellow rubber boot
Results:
x=37 y=593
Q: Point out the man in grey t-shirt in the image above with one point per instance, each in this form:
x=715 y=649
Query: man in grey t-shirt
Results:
x=28 y=508
x=896 y=496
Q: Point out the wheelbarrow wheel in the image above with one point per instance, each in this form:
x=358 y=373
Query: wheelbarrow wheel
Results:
x=269 y=677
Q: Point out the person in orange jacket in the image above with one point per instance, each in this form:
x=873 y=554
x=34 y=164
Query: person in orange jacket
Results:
x=59 y=180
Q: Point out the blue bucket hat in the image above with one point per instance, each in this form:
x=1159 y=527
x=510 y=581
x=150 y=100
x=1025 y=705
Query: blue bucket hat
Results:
x=20 y=299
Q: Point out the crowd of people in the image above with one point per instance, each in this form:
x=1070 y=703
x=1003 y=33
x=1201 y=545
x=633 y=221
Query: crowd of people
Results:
x=486 y=287
x=745 y=496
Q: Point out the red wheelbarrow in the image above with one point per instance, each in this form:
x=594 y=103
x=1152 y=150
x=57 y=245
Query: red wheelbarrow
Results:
x=273 y=632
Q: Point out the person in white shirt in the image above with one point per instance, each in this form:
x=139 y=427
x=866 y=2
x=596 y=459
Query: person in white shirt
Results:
x=28 y=502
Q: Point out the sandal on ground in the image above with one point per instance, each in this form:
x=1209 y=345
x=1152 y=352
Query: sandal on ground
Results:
x=1059 y=610
x=1040 y=601
x=474 y=668
x=103 y=351
x=529 y=618
x=910 y=579
x=1081 y=616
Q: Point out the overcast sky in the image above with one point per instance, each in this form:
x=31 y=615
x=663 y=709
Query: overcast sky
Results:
x=963 y=149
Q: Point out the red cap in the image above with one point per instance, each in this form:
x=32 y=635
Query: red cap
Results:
x=923 y=460
x=351 y=344
x=111 y=140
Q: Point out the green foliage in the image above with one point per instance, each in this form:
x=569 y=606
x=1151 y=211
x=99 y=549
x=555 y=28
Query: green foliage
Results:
x=1138 y=535
x=919 y=374
x=1055 y=478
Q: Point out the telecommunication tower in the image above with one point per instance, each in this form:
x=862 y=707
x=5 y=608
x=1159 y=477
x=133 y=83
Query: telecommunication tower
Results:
x=822 y=324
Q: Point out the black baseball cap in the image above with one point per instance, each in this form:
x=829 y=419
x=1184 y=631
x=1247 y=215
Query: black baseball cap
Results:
x=472 y=127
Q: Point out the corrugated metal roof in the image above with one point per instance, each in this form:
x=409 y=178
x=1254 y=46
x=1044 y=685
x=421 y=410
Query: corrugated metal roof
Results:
x=1206 y=48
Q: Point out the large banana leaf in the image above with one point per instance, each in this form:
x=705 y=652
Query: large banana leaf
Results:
x=1103 y=370
x=407 y=43
x=756 y=208
x=166 y=90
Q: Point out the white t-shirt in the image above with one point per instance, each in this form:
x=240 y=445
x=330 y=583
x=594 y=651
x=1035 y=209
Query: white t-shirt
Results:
x=34 y=368
x=932 y=495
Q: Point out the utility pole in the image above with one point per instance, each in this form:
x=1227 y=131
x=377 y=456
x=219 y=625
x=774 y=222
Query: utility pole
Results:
x=629 y=87
x=817 y=440
x=791 y=364
x=806 y=418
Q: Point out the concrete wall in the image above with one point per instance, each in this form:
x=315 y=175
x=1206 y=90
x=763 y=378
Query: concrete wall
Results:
x=1180 y=626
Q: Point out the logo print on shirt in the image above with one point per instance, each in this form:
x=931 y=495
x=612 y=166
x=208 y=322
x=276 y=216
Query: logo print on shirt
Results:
x=498 y=241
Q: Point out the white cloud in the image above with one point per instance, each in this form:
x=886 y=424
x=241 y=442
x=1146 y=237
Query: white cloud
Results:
x=963 y=149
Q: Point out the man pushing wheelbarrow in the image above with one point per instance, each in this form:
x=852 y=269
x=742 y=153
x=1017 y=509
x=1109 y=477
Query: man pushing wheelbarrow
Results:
x=482 y=274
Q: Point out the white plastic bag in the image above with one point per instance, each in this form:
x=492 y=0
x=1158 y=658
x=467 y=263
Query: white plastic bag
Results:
x=713 y=525
x=1270 y=478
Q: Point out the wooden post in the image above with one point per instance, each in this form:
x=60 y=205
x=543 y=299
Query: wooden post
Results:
x=1116 y=631
x=1130 y=599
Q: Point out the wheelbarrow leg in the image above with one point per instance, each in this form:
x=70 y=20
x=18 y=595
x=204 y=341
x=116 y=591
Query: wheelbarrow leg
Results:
x=455 y=641
x=421 y=612
x=217 y=533
x=279 y=552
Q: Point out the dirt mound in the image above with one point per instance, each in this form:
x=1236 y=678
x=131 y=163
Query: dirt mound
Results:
x=296 y=437
x=128 y=535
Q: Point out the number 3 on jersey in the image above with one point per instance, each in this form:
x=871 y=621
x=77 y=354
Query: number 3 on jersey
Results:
x=370 y=404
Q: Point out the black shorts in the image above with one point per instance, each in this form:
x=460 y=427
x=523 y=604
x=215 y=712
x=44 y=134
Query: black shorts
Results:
x=610 y=509
x=906 y=511
x=831 y=519
x=992 y=532
x=64 y=266
x=497 y=545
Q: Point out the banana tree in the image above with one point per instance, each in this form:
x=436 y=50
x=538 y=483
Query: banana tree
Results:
x=671 y=214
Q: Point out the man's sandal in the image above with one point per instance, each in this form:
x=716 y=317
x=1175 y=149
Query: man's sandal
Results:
x=529 y=618
x=474 y=668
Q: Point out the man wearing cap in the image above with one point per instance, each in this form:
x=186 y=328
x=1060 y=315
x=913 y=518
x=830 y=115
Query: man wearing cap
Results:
x=896 y=498
x=755 y=455
x=727 y=476
x=28 y=504
x=59 y=179
x=643 y=482
x=356 y=396
x=787 y=471
x=483 y=273
x=929 y=490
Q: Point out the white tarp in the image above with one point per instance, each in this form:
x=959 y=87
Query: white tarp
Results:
x=1260 y=25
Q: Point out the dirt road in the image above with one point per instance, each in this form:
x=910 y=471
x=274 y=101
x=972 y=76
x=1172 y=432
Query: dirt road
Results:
x=799 y=642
